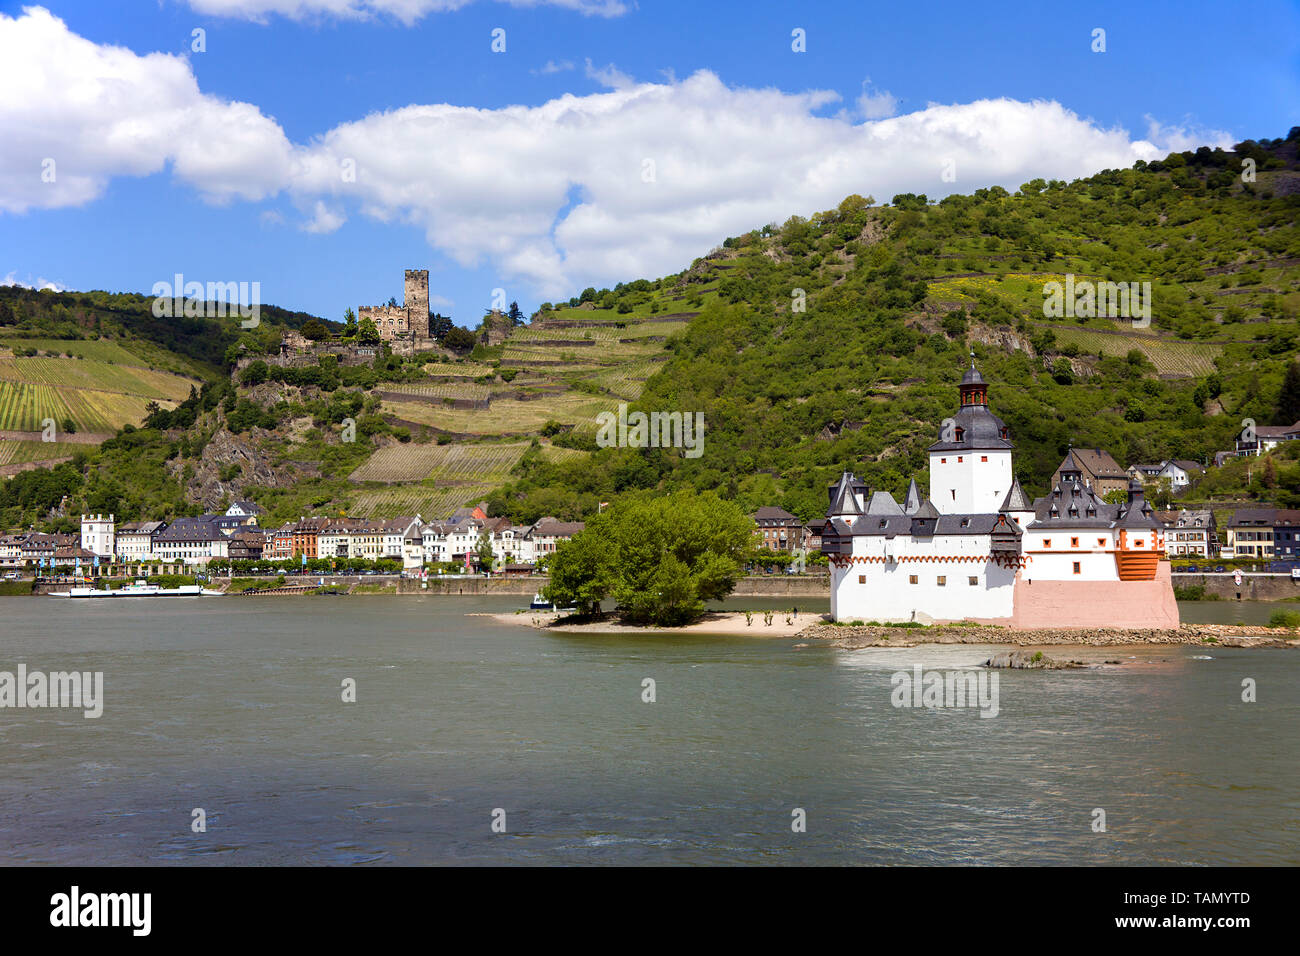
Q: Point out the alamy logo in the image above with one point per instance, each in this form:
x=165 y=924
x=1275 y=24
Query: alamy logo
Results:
x=935 y=689
x=1107 y=300
x=216 y=300
x=75 y=908
x=56 y=689
x=656 y=430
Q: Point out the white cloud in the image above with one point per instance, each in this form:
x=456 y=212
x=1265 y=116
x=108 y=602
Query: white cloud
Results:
x=1178 y=139
x=407 y=11
x=30 y=283
x=497 y=187
x=325 y=219
x=609 y=76
x=73 y=114
x=876 y=104
x=551 y=67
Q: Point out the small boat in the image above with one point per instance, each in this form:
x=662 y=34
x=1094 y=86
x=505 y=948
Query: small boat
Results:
x=141 y=588
x=540 y=603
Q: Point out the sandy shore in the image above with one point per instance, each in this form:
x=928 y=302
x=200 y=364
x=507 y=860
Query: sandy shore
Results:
x=714 y=622
x=810 y=627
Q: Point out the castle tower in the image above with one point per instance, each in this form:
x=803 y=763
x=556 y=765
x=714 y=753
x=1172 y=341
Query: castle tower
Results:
x=417 y=301
x=970 y=464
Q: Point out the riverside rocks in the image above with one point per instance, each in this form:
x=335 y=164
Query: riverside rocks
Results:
x=1023 y=660
x=1222 y=635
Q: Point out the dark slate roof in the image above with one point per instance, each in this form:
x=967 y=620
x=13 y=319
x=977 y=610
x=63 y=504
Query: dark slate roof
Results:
x=926 y=511
x=972 y=376
x=1258 y=517
x=843 y=500
x=1016 y=499
x=895 y=524
x=883 y=503
x=981 y=431
x=913 y=500
x=190 y=529
x=772 y=513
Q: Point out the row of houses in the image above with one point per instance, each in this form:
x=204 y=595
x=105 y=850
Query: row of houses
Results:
x=236 y=535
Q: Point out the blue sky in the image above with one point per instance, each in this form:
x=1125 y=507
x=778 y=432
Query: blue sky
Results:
x=684 y=123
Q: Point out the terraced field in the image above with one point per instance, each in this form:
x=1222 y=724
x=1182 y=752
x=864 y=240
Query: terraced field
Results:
x=102 y=376
x=18 y=452
x=97 y=351
x=1170 y=357
x=463 y=390
x=470 y=464
x=506 y=416
x=428 y=501
x=24 y=407
x=626 y=381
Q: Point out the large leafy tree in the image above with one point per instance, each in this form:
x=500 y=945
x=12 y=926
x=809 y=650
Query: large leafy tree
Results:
x=659 y=558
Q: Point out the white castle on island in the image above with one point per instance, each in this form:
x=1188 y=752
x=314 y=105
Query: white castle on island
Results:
x=978 y=550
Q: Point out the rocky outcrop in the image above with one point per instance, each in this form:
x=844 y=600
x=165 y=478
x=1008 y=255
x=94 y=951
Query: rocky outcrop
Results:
x=255 y=468
x=882 y=635
x=1023 y=660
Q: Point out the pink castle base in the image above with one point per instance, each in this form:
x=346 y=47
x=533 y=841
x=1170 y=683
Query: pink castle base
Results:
x=1074 y=605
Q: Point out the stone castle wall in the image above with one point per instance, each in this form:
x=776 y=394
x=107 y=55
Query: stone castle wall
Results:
x=409 y=319
x=417 y=301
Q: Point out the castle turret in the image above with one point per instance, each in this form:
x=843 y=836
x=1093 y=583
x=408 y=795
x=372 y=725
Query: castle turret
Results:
x=970 y=464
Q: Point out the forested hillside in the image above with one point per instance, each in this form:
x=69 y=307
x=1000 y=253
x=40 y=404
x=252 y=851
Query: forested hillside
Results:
x=828 y=342
x=896 y=297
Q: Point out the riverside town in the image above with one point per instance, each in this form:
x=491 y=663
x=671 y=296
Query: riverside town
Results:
x=587 y=433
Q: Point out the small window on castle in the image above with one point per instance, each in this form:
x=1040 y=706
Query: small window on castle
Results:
x=960 y=459
x=1101 y=542
x=911 y=579
x=973 y=581
x=862 y=579
x=1076 y=567
x=942 y=580
x=984 y=457
x=943 y=461
x=1047 y=542
x=1074 y=542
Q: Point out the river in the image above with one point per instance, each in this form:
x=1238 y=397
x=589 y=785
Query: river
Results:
x=234 y=707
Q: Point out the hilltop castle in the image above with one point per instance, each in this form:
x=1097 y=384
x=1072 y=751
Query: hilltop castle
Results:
x=978 y=549
x=407 y=321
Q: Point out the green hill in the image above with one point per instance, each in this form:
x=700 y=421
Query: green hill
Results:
x=827 y=342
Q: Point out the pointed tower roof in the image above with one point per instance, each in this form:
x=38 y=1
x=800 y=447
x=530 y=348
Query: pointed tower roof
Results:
x=926 y=512
x=913 y=500
x=1016 y=499
x=843 y=501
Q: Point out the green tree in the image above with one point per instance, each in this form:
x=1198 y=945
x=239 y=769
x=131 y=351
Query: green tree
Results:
x=367 y=333
x=660 y=558
x=459 y=339
x=483 y=550
x=1288 y=401
x=315 y=330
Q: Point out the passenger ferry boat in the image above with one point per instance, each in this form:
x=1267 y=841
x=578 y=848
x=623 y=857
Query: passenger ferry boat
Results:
x=141 y=588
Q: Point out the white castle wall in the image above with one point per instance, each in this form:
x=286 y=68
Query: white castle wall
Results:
x=964 y=483
x=881 y=590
